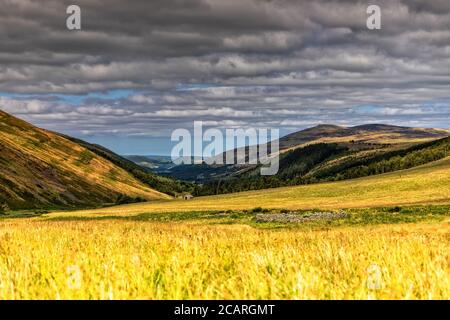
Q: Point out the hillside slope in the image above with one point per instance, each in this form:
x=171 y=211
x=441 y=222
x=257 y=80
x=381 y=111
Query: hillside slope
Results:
x=39 y=168
x=162 y=184
x=370 y=134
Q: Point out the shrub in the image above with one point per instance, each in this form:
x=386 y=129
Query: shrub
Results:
x=125 y=199
x=3 y=208
x=395 y=209
x=85 y=157
x=41 y=211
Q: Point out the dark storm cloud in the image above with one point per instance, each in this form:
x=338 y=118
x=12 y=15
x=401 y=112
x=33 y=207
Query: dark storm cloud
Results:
x=228 y=62
x=435 y=7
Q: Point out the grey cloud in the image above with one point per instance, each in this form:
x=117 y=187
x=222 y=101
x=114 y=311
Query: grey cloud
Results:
x=288 y=63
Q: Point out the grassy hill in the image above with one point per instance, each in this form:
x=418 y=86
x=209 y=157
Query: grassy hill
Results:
x=365 y=135
x=319 y=162
x=345 y=146
x=427 y=184
x=165 y=185
x=41 y=169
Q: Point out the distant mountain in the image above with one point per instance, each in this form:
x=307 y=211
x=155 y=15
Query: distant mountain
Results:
x=42 y=169
x=320 y=162
x=358 y=142
x=368 y=133
x=155 y=164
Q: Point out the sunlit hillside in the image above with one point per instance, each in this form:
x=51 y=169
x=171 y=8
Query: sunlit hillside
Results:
x=40 y=168
x=364 y=134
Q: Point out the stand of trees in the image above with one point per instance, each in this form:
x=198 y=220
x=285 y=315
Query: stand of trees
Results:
x=388 y=162
x=293 y=166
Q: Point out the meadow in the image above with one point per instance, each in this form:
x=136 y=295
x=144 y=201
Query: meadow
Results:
x=198 y=259
x=392 y=243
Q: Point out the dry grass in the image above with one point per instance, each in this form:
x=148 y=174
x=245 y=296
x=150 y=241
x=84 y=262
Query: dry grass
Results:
x=190 y=260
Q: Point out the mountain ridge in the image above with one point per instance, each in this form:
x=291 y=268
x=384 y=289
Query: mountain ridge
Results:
x=360 y=141
x=369 y=133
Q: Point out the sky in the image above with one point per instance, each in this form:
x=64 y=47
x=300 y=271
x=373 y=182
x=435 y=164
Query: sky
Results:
x=137 y=70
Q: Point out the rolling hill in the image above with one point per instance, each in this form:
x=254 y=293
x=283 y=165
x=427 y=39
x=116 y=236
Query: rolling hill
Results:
x=163 y=184
x=322 y=162
x=41 y=169
x=358 y=142
x=368 y=135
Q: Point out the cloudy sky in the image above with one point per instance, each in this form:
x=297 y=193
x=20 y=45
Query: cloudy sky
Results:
x=139 y=69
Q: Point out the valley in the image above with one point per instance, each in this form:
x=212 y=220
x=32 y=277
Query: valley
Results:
x=380 y=235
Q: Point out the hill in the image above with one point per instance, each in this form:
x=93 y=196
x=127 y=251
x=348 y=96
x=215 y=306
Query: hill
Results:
x=41 y=169
x=163 y=184
x=368 y=134
x=153 y=163
x=358 y=142
x=330 y=162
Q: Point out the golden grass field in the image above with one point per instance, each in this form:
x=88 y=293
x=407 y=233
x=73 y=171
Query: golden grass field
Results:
x=153 y=260
x=103 y=254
